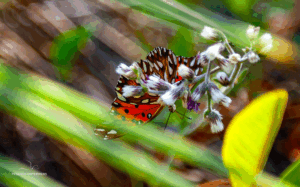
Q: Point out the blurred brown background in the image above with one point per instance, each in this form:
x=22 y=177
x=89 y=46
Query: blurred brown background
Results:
x=27 y=31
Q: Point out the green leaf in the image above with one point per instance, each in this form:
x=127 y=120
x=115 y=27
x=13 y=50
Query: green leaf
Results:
x=292 y=174
x=250 y=135
x=182 y=43
x=65 y=49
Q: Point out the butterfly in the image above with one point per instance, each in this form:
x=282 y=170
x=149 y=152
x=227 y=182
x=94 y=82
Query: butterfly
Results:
x=140 y=109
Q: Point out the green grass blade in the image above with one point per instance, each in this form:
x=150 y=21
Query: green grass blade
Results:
x=14 y=173
x=292 y=174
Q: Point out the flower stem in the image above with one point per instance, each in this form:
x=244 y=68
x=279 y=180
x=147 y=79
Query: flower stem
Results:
x=209 y=108
x=228 y=47
x=208 y=72
x=235 y=72
x=200 y=77
x=207 y=77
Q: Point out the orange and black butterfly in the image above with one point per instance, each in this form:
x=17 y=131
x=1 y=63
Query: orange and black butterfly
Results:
x=161 y=62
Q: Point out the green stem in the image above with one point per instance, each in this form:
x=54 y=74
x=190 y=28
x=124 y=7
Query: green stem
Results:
x=235 y=72
x=207 y=77
x=208 y=72
x=228 y=47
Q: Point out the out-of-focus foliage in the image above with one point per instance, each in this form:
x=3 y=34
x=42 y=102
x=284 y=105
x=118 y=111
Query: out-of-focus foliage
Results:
x=291 y=174
x=250 y=135
x=64 y=114
x=14 y=173
x=65 y=50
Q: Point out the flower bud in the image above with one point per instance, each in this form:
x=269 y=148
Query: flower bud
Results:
x=266 y=39
x=199 y=92
x=213 y=51
x=192 y=105
x=217 y=96
x=126 y=71
x=130 y=91
x=234 y=58
x=252 y=32
x=209 y=33
x=222 y=60
x=173 y=94
x=222 y=78
x=185 y=72
x=201 y=59
x=253 y=57
x=156 y=83
x=215 y=120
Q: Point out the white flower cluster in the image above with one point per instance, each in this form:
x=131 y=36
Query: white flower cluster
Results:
x=169 y=93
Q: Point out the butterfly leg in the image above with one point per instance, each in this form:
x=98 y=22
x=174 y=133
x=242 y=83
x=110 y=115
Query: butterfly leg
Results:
x=167 y=121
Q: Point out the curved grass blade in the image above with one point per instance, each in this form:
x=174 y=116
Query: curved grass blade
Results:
x=14 y=173
x=292 y=174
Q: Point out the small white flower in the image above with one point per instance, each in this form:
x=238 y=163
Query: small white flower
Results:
x=226 y=101
x=252 y=32
x=185 y=72
x=234 y=58
x=253 y=57
x=222 y=60
x=173 y=94
x=266 y=39
x=217 y=96
x=130 y=91
x=156 y=83
x=222 y=78
x=214 y=51
x=266 y=48
x=199 y=92
x=209 y=33
x=201 y=59
x=215 y=120
x=126 y=71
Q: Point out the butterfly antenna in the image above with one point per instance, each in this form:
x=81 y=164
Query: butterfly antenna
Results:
x=167 y=121
x=183 y=115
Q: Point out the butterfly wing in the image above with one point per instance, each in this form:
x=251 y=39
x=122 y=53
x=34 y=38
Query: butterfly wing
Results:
x=142 y=109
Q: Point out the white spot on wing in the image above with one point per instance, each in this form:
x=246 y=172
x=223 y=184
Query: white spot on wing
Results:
x=173 y=81
x=150 y=63
x=169 y=60
x=192 y=62
x=165 y=76
x=145 y=67
x=197 y=71
x=145 y=101
x=170 y=70
x=174 y=59
x=159 y=51
x=112 y=132
x=120 y=96
x=156 y=67
x=160 y=64
x=185 y=60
